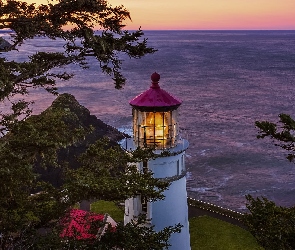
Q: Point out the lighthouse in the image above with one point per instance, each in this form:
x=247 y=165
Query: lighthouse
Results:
x=155 y=125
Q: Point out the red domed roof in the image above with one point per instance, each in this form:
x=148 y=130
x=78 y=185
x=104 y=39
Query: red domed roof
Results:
x=155 y=97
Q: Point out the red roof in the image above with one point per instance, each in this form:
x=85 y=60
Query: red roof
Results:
x=155 y=96
x=78 y=224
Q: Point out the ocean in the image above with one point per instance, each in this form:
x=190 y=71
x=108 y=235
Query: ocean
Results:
x=227 y=81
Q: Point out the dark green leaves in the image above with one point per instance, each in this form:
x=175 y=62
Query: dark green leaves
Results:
x=33 y=143
x=138 y=235
x=272 y=226
x=72 y=22
x=106 y=173
x=281 y=133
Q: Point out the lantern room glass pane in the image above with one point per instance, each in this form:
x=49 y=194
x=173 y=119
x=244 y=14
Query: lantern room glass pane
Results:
x=157 y=130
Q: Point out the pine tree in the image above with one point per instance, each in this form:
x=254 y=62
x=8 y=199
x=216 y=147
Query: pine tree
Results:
x=32 y=209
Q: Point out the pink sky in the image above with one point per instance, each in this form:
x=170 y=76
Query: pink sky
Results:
x=210 y=14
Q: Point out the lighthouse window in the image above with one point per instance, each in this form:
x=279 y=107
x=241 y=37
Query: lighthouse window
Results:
x=177 y=167
x=144 y=166
x=157 y=130
x=174 y=124
x=143 y=204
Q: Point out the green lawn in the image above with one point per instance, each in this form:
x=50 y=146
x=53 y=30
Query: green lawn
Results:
x=102 y=207
x=206 y=233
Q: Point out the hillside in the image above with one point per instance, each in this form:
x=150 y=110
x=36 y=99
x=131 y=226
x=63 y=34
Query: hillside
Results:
x=75 y=117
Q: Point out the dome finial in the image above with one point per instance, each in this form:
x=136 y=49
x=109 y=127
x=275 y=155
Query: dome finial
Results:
x=155 y=77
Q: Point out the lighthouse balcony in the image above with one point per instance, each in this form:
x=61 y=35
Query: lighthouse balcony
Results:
x=181 y=145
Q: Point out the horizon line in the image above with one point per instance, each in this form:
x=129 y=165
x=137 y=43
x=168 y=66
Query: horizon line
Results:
x=216 y=29
x=8 y=30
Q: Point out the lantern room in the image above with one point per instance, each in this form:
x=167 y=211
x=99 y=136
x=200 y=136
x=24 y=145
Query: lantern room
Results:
x=155 y=123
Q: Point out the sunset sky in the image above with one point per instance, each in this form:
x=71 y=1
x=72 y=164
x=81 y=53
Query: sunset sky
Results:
x=210 y=14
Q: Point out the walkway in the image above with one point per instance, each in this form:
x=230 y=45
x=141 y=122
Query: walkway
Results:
x=195 y=212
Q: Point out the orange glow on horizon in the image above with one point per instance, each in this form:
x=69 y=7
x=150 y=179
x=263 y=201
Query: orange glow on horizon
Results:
x=208 y=15
x=212 y=15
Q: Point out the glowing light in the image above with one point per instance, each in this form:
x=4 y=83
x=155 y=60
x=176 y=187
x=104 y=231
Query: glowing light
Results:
x=157 y=129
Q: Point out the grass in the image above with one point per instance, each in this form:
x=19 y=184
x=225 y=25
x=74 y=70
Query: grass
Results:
x=208 y=233
x=102 y=207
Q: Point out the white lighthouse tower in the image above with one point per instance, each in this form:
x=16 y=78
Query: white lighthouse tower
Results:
x=155 y=125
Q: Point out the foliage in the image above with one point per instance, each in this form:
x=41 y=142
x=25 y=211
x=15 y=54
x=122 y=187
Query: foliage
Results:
x=32 y=209
x=130 y=236
x=138 y=237
x=272 y=226
x=70 y=21
x=282 y=133
x=103 y=174
x=209 y=233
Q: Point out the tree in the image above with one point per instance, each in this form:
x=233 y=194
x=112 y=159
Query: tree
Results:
x=33 y=221
x=71 y=21
x=272 y=225
x=282 y=135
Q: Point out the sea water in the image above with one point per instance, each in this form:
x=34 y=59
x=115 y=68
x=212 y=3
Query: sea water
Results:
x=227 y=81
